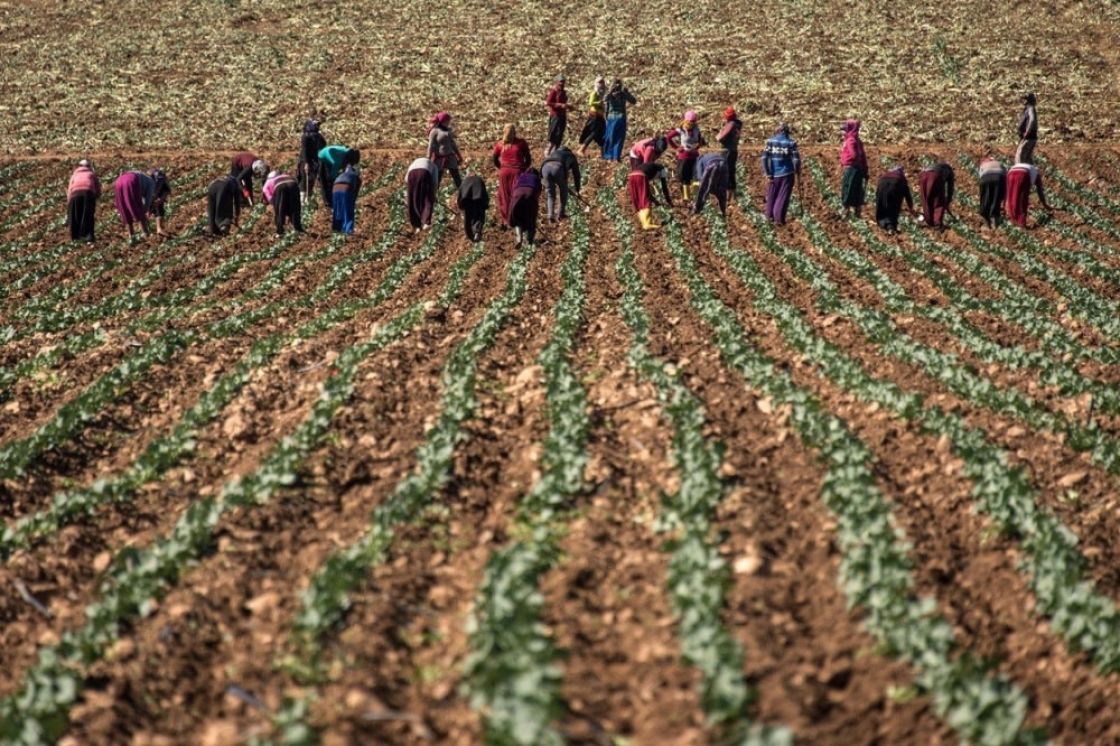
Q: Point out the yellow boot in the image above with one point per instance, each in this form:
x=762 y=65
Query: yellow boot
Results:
x=645 y=217
x=684 y=193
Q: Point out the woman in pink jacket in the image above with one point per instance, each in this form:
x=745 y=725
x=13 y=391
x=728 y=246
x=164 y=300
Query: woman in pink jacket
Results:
x=853 y=160
x=81 y=201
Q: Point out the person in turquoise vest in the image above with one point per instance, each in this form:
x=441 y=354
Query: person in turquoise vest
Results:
x=333 y=159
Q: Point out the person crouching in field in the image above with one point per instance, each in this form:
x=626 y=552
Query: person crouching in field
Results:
x=853 y=161
x=781 y=162
x=162 y=193
x=422 y=185
x=344 y=199
x=648 y=150
x=224 y=201
x=245 y=166
x=993 y=191
x=560 y=165
x=641 y=195
x=282 y=192
x=332 y=160
x=473 y=202
x=511 y=157
x=936 y=185
x=1020 y=178
x=714 y=173
x=133 y=193
x=81 y=201
x=891 y=191
x=524 y=206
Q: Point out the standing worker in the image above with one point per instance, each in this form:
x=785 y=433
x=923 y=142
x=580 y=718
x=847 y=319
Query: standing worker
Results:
x=245 y=166
x=224 y=201
x=595 y=128
x=936 y=185
x=282 y=192
x=891 y=191
x=132 y=193
x=993 y=191
x=1028 y=131
x=311 y=141
x=344 y=198
x=524 y=205
x=853 y=160
x=555 y=171
x=558 y=108
x=648 y=150
x=728 y=138
x=158 y=208
x=641 y=195
x=473 y=202
x=422 y=185
x=688 y=139
x=443 y=151
x=1020 y=178
x=713 y=171
x=614 y=135
x=81 y=201
x=332 y=160
x=781 y=162
x=511 y=157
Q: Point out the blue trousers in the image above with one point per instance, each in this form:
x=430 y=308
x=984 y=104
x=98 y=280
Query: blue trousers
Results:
x=614 y=138
x=342 y=202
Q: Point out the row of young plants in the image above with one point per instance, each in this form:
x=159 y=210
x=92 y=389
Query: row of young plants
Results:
x=1053 y=371
x=698 y=575
x=875 y=571
x=14 y=176
x=511 y=672
x=20 y=217
x=38 y=712
x=170 y=449
x=1055 y=568
x=1090 y=216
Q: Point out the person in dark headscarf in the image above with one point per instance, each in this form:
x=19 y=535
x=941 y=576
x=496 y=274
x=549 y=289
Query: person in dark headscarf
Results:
x=158 y=208
x=311 y=141
x=224 y=202
x=614 y=135
x=781 y=163
x=993 y=191
x=81 y=201
x=473 y=201
x=525 y=201
x=891 y=191
x=422 y=185
x=712 y=169
x=1028 y=130
x=728 y=138
x=936 y=185
x=853 y=159
x=648 y=150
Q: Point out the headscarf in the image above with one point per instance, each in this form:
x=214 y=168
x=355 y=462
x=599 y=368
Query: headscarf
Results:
x=729 y=113
x=1029 y=98
x=691 y=116
x=783 y=129
x=84 y=163
x=509 y=133
x=260 y=168
x=896 y=171
x=851 y=127
x=600 y=84
x=616 y=86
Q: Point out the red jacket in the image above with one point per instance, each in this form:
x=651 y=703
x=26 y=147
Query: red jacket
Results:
x=83 y=179
x=242 y=161
x=512 y=155
x=557 y=101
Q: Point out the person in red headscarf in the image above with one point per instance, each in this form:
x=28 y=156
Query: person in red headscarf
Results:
x=442 y=148
x=728 y=138
x=853 y=159
x=511 y=157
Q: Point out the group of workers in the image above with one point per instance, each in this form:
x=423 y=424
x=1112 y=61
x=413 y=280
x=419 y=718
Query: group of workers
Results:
x=702 y=172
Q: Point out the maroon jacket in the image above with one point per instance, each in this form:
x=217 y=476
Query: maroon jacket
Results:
x=512 y=155
x=557 y=101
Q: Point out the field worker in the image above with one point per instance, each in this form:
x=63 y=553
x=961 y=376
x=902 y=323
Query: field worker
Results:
x=1028 y=131
x=511 y=157
x=712 y=169
x=1020 y=178
x=614 y=133
x=311 y=141
x=853 y=161
x=245 y=166
x=224 y=201
x=648 y=150
x=422 y=185
x=332 y=160
x=558 y=108
x=993 y=191
x=891 y=191
x=595 y=128
x=524 y=204
x=473 y=202
x=282 y=192
x=81 y=201
x=560 y=165
x=936 y=185
x=728 y=138
x=133 y=193
x=158 y=208
x=641 y=195
x=344 y=198
x=688 y=140
x=443 y=151
x=781 y=162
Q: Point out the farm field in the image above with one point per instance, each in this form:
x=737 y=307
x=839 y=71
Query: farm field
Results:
x=722 y=482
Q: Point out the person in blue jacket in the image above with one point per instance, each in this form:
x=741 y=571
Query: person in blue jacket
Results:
x=782 y=165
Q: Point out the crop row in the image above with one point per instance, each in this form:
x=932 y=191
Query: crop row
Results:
x=511 y=672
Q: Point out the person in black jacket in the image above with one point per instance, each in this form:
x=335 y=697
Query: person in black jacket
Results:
x=224 y=202
x=1028 y=131
x=890 y=193
x=473 y=201
x=560 y=165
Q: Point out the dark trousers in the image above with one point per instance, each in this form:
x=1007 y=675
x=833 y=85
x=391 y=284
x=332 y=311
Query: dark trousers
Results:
x=556 y=126
x=326 y=184
x=778 y=192
x=286 y=208
x=993 y=191
x=421 y=197
x=714 y=182
x=80 y=215
x=732 y=163
x=474 y=217
x=221 y=207
x=594 y=131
